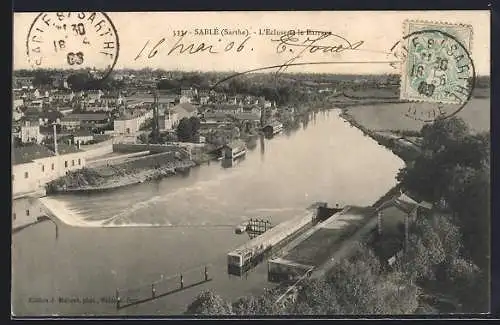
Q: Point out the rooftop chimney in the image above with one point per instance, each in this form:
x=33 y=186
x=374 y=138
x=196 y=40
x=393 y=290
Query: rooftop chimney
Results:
x=55 y=139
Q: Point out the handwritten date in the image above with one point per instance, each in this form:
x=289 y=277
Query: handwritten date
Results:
x=180 y=47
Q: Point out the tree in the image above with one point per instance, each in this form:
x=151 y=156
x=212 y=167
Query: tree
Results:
x=426 y=177
x=449 y=235
x=316 y=297
x=424 y=252
x=78 y=81
x=42 y=78
x=249 y=305
x=443 y=132
x=184 y=130
x=447 y=148
x=209 y=303
x=188 y=129
x=461 y=176
x=398 y=295
x=466 y=282
x=356 y=284
x=472 y=205
x=195 y=126
x=264 y=304
x=168 y=84
x=360 y=287
x=363 y=253
x=143 y=138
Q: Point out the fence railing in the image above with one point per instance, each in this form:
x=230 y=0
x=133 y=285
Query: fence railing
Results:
x=164 y=286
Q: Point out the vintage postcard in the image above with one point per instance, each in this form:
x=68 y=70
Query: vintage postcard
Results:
x=250 y=163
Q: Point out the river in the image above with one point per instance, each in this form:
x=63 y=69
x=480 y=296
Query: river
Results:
x=164 y=227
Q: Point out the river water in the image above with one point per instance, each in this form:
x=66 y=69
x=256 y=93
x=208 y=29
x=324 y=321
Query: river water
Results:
x=165 y=227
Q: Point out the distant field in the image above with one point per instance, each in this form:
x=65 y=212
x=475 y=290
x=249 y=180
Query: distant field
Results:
x=392 y=116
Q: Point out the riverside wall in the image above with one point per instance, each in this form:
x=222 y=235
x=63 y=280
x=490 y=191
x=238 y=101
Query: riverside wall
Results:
x=135 y=147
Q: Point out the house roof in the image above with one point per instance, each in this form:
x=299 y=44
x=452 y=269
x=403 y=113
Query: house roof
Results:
x=184 y=106
x=426 y=205
x=125 y=116
x=66 y=92
x=149 y=99
x=235 y=144
x=94 y=92
x=51 y=115
x=32 y=111
x=403 y=202
x=48 y=130
x=82 y=133
x=211 y=115
x=248 y=116
x=63 y=148
x=274 y=123
x=34 y=120
x=129 y=115
x=251 y=107
x=63 y=108
x=86 y=117
x=22 y=155
x=111 y=94
x=227 y=107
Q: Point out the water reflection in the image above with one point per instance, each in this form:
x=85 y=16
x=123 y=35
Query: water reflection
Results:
x=228 y=163
x=305 y=121
x=184 y=172
x=262 y=147
x=252 y=143
x=28 y=213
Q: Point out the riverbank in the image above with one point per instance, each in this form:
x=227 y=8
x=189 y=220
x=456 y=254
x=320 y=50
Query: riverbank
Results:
x=399 y=145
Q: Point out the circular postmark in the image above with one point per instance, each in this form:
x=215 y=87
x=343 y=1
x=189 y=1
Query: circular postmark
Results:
x=437 y=74
x=73 y=40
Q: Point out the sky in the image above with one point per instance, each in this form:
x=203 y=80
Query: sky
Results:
x=375 y=32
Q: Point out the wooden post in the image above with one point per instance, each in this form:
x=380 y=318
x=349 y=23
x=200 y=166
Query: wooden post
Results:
x=117 y=299
x=182 y=282
x=153 y=290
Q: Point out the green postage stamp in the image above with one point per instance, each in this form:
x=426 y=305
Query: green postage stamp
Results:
x=438 y=67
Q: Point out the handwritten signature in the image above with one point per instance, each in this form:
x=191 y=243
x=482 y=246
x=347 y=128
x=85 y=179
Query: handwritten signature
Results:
x=290 y=42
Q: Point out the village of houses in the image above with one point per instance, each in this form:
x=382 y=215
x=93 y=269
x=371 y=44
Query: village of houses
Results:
x=92 y=127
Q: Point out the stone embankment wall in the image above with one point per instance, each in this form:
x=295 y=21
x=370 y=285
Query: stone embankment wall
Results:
x=133 y=147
